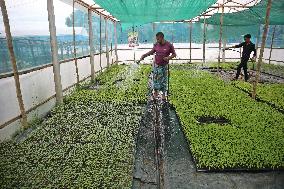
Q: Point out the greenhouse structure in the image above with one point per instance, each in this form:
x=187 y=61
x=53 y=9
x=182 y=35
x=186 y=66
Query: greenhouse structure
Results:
x=142 y=94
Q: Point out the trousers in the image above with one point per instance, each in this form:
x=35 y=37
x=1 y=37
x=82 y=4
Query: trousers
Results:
x=244 y=65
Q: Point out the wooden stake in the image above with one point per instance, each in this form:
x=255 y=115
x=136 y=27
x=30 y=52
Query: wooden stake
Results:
x=106 y=41
x=204 y=40
x=220 y=37
x=190 y=40
x=91 y=44
x=256 y=44
x=262 y=48
x=74 y=44
x=224 y=53
x=115 y=42
x=14 y=63
x=101 y=43
x=271 y=46
x=54 y=54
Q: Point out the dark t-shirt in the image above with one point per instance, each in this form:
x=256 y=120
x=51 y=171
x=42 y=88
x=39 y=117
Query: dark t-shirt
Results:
x=247 y=49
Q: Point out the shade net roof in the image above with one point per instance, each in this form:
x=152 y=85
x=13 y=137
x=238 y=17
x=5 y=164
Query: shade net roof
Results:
x=139 y=11
x=252 y=16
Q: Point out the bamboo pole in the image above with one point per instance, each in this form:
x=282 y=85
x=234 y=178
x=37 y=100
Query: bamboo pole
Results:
x=115 y=41
x=262 y=48
x=106 y=42
x=9 y=37
x=224 y=53
x=101 y=43
x=271 y=46
x=91 y=44
x=54 y=50
x=190 y=41
x=257 y=42
x=74 y=43
x=220 y=37
x=204 y=40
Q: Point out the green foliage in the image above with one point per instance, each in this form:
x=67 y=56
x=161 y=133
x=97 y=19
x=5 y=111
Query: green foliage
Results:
x=88 y=142
x=253 y=139
x=268 y=92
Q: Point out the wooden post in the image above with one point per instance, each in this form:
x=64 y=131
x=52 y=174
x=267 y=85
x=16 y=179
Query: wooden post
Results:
x=14 y=64
x=190 y=40
x=115 y=42
x=257 y=42
x=220 y=37
x=271 y=46
x=262 y=48
x=224 y=53
x=54 y=54
x=91 y=44
x=106 y=41
x=101 y=43
x=74 y=44
x=204 y=40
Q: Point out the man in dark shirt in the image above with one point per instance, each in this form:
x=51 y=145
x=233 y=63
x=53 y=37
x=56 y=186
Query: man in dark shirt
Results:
x=248 y=47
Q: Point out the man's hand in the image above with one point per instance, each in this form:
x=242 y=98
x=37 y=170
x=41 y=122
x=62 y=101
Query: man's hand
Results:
x=166 y=58
x=142 y=57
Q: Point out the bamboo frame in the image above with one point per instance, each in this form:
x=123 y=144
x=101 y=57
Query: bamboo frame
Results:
x=262 y=48
x=204 y=40
x=106 y=42
x=220 y=37
x=271 y=45
x=91 y=44
x=257 y=42
x=9 y=37
x=54 y=50
x=101 y=43
x=74 y=43
x=115 y=41
x=190 y=41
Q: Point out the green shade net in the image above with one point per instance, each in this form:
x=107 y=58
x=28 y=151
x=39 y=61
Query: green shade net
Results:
x=252 y=16
x=139 y=11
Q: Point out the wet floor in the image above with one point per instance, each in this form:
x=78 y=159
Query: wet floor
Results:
x=179 y=169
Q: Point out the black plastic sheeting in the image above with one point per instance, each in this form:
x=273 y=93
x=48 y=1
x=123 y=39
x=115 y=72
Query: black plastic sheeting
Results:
x=179 y=170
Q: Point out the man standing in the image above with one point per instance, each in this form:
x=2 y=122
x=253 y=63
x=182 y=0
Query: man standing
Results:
x=164 y=52
x=248 y=47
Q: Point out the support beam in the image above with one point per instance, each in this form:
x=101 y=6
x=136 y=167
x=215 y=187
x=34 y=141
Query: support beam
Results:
x=271 y=45
x=257 y=43
x=54 y=54
x=224 y=52
x=101 y=69
x=115 y=41
x=220 y=37
x=190 y=40
x=262 y=48
x=74 y=44
x=106 y=42
x=14 y=63
x=204 y=40
x=91 y=44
